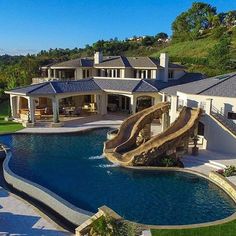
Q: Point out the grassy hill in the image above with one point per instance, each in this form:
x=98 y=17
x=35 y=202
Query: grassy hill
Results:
x=191 y=53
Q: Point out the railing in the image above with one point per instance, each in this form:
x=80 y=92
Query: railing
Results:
x=40 y=80
x=220 y=116
x=46 y=79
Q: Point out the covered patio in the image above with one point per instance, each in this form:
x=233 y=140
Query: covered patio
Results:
x=56 y=102
x=57 y=109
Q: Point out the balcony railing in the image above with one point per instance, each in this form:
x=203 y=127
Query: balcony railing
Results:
x=46 y=79
x=220 y=116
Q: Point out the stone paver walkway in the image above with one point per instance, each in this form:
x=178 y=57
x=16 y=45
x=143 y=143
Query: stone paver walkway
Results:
x=75 y=125
x=208 y=161
x=17 y=217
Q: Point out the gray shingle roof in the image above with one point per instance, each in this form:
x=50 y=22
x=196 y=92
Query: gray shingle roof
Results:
x=103 y=84
x=128 y=85
x=171 y=86
x=222 y=86
x=55 y=87
x=114 y=61
x=80 y=62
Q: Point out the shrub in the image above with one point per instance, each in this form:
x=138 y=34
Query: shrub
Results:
x=107 y=226
x=218 y=32
x=230 y=171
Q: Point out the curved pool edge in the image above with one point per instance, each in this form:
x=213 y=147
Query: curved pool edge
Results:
x=65 y=209
x=78 y=216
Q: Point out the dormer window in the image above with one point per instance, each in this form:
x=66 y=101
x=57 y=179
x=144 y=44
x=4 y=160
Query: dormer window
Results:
x=142 y=74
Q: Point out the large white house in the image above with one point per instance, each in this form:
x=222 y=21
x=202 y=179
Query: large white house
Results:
x=96 y=85
x=120 y=84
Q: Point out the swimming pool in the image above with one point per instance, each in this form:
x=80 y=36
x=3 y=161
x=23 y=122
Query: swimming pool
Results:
x=71 y=165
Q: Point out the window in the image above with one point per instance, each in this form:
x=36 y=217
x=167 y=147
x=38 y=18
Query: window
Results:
x=84 y=73
x=99 y=72
x=118 y=73
x=144 y=74
x=232 y=115
x=149 y=74
x=105 y=73
x=171 y=74
x=87 y=73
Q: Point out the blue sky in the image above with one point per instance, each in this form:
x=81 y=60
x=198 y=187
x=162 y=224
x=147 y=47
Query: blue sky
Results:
x=32 y=25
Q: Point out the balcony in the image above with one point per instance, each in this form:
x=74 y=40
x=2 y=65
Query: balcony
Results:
x=46 y=79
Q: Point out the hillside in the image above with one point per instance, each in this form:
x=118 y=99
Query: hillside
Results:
x=190 y=53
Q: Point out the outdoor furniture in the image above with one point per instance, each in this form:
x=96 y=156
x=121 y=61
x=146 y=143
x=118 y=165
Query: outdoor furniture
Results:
x=68 y=110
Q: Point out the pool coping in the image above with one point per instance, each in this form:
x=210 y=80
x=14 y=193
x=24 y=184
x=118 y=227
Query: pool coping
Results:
x=70 y=211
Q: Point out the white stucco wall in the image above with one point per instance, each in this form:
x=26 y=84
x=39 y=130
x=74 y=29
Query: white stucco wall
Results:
x=223 y=104
x=217 y=137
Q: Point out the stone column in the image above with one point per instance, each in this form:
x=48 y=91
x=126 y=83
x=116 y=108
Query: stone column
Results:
x=173 y=108
x=55 y=109
x=54 y=73
x=103 y=104
x=13 y=106
x=208 y=106
x=31 y=107
x=49 y=73
x=75 y=74
x=97 y=102
x=133 y=103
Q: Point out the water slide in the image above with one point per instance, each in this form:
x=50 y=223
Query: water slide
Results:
x=131 y=127
x=180 y=130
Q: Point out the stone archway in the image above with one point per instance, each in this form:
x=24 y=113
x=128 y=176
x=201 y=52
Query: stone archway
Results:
x=144 y=102
x=118 y=103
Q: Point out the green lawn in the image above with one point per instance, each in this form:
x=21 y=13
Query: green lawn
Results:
x=227 y=229
x=7 y=126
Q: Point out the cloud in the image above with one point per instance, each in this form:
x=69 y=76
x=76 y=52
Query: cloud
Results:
x=17 y=51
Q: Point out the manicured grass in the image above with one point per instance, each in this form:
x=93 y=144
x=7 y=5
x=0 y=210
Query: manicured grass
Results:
x=227 y=229
x=7 y=126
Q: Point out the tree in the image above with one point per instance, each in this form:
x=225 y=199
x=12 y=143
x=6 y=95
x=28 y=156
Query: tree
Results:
x=219 y=55
x=230 y=19
x=148 y=41
x=161 y=35
x=189 y=24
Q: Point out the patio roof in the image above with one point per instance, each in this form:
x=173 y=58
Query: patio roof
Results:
x=58 y=87
x=105 y=84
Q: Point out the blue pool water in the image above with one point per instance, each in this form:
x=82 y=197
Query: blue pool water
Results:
x=71 y=165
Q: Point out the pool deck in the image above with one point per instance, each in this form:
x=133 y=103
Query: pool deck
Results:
x=208 y=161
x=76 y=125
x=18 y=217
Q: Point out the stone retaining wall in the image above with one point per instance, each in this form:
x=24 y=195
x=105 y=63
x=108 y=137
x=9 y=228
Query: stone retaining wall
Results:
x=225 y=184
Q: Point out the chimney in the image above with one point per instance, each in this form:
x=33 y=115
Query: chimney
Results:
x=98 y=58
x=164 y=62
